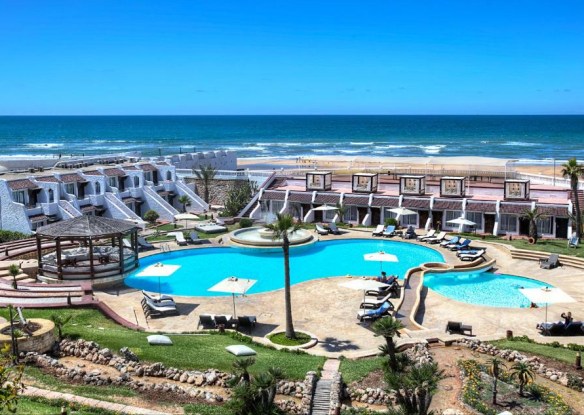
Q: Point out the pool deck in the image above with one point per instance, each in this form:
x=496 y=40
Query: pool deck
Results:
x=328 y=311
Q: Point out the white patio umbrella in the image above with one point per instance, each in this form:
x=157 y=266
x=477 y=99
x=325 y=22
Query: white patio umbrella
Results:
x=158 y=270
x=546 y=295
x=324 y=208
x=380 y=256
x=185 y=217
x=234 y=286
x=402 y=211
x=363 y=284
x=461 y=221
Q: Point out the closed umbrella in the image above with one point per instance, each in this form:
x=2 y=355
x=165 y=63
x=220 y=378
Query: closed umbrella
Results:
x=158 y=270
x=363 y=284
x=547 y=295
x=324 y=208
x=234 y=286
x=380 y=256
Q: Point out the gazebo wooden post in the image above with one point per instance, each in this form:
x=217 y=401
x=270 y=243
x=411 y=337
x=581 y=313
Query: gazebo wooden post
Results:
x=39 y=252
x=91 y=267
x=121 y=253
x=59 y=263
x=135 y=245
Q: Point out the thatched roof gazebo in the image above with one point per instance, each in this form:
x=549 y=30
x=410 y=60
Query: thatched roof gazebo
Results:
x=106 y=248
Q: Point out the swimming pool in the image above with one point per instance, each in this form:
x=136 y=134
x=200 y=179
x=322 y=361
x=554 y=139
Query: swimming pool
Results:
x=482 y=288
x=202 y=268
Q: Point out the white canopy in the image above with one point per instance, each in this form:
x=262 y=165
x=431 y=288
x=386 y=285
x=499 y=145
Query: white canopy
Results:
x=380 y=256
x=234 y=286
x=461 y=221
x=363 y=284
x=324 y=208
x=546 y=295
x=402 y=211
x=158 y=270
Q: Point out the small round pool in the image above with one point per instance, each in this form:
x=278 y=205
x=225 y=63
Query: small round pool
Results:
x=200 y=269
x=482 y=288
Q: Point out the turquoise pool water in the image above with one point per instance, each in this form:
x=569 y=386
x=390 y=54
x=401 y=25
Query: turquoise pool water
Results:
x=200 y=269
x=482 y=288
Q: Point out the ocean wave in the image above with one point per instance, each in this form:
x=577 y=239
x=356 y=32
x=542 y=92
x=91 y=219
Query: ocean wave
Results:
x=393 y=146
x=246 y=148
x=362 y=143
x=350 y=151
x=44 y=145
x=433 y=149
x=520 y=144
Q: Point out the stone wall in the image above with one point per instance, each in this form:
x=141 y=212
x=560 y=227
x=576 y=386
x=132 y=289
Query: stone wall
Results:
x=309 y=386
x=218 y=189
x=41 y=341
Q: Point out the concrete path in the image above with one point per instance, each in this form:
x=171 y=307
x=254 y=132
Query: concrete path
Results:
x=92 y=403
x=330 y=368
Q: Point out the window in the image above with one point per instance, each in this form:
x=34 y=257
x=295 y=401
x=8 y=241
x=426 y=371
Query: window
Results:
x=476 y=217
x=136 y=181
x=403 y=220
x=148 y=176
x=70 y=188
x=97 y=188
x=544 y=225
x=51 y=196
x=168 y=176
x=113 y=182
x=450 y=215
x=352 y=215
x=277 y=206
x=18 y=196
x=508 y=223
x=329 y=215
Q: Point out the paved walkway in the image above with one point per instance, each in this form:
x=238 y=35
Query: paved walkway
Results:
x=330 y=368
x=92 y=403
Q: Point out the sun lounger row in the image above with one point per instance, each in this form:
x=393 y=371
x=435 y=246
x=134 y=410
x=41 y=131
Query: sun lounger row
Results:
x=212 y=321
x=560 y=328
x=374 y=313
x=159 y=308
x=332 y=228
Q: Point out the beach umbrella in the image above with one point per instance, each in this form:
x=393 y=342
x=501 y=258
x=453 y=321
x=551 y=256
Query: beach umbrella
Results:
x=547 y=295
x=185 y=217
x=380 y=256
x=158 y=270
x=324 y=208
x=364 y=284
x=233 y=285
x=461 y=221
x=402 y=211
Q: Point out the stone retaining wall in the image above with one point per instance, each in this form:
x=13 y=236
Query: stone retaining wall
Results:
x=41 y=341
x=309 y=386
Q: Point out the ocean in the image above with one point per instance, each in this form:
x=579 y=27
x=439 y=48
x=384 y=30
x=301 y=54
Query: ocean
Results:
x=523 y=137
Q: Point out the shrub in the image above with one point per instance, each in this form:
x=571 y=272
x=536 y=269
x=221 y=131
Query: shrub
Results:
x=575 y=382
x=535 y=392
x=391 y=221
x=7 y=236
x=151 y=216
x=245 y=223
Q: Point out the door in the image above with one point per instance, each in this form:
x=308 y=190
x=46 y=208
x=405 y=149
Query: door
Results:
x=523 y=226
x=437 y=219
x=375 y=216
x=489 y=223
x=562 y=228
x=423 y=216
x=361 y=213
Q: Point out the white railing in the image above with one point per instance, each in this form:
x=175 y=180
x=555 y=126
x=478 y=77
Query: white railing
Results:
x=548 y=180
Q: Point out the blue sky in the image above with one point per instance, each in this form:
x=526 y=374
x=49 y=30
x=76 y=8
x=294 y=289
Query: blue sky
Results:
x=291 y=57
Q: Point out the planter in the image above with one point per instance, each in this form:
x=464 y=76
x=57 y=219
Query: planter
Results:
x=310 y=343
x=41 y=341
x=531 y=240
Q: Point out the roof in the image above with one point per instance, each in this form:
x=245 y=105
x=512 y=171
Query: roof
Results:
x=385 y=201
x=447 y=204
x=516 y=208
x=147 y=167
x=93 y=173
x=72 y=178
x=21 y=184
x=51 y=179
x=356 y=200
x=130 y=168
x=86 y=227
x=273 y=195
x=114 y=172
x=416 y=203
x=327 y=198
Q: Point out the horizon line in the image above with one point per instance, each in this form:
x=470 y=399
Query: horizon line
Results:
x=294 y=115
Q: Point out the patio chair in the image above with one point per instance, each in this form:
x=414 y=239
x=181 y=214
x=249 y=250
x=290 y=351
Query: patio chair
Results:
x=180 y=238
x=452 y=241
x=127 y=244
x=410 y=233
x=194 y=238
x=207 y=321
x=333 y=228
x=389 y=231
x=320 y=230
x=384 y=309
x=573 y=241
x=378 y=230
x=246 y=322
x=471 y=257
x=463 y=244
x=435 y=239
x=456 y=327
x=152 y=309
x=575 y=328
x=144 y=244
x=471 y=251
x=224 y=321
x=161 y=299
x=552 y=262
x=429 y=234
x=375 y=302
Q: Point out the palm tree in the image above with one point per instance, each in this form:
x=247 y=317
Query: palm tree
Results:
x=206 y=174
x=495 y=366
x=184 y=200
x=14 y=270
x=533 y=216
x=573 y=171
x=60 y=321
x=388 y=328
x=341 y=210
x=523 y=373
x=241 y=367
x=283 y=226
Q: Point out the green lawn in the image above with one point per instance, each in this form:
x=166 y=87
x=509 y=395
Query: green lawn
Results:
x=41 y=406
x=355 y=370
x=552 y=246
x=188 y=351
x=558 y=353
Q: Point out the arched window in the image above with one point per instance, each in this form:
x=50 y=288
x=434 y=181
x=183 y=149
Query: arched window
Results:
x=136 y=181
x=97 y=188
x=168 y=176
x=51 y=196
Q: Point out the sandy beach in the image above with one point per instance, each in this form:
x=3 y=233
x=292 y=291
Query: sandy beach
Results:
x=543 y=167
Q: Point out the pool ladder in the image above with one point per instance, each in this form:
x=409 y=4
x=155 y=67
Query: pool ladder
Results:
x=165 y=248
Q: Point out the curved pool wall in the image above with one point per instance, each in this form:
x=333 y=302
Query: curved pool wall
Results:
x=202 y=268
x=262 y=237
x=482 y=288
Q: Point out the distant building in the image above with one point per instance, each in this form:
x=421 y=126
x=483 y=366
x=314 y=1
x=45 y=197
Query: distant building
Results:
x=496 y=205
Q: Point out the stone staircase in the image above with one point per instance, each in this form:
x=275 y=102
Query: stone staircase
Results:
x=537 y=255
x=5 y=276
x=321 y=400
